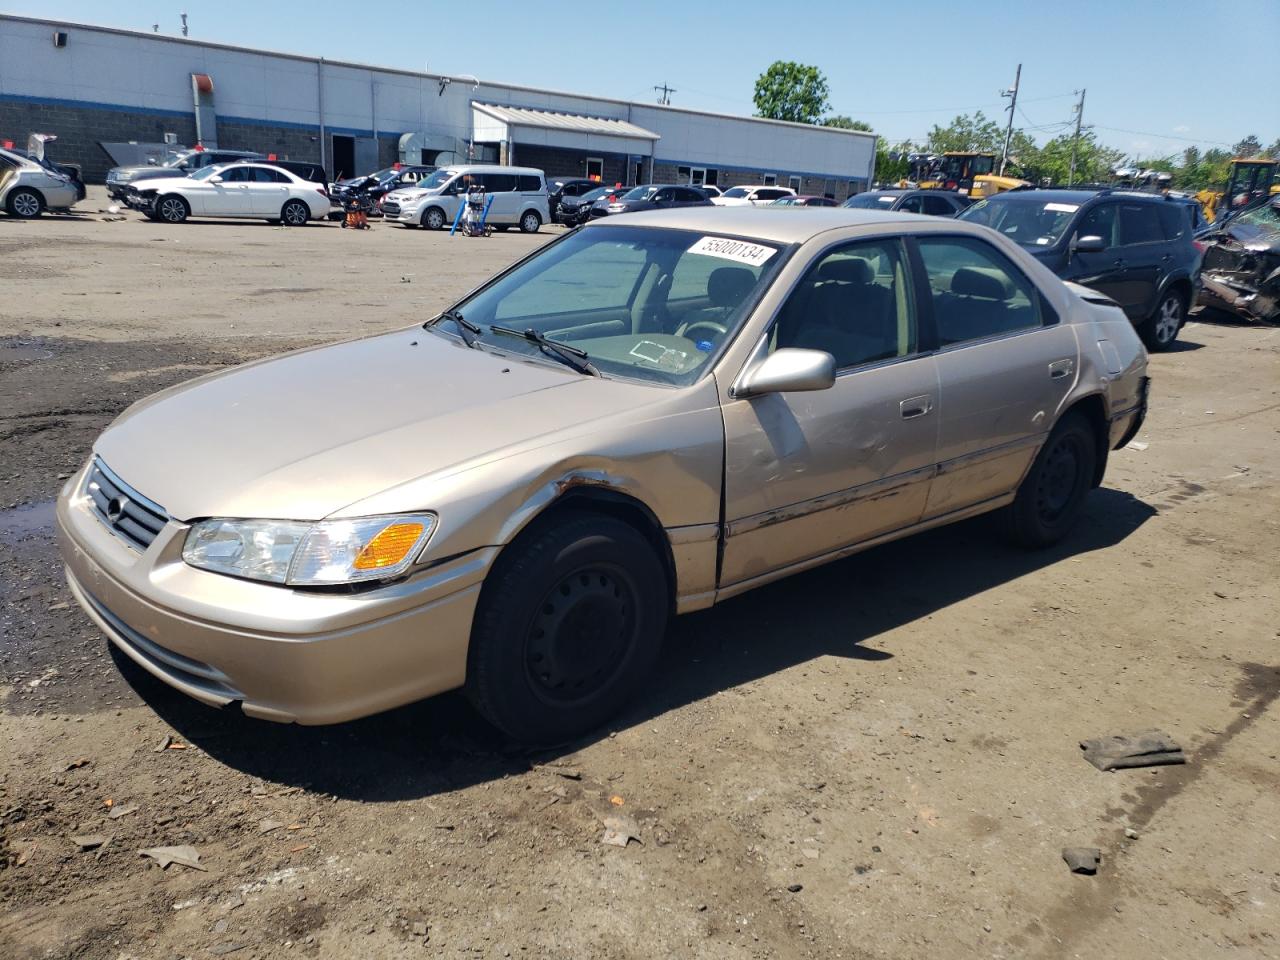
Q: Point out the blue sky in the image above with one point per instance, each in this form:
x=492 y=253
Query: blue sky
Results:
x=1160 y=75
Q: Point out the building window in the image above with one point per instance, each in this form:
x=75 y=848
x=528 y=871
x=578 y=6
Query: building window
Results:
x=713 y=177
x=794 y=183
x=595 y=168
x=683 y=174
x=770 y=179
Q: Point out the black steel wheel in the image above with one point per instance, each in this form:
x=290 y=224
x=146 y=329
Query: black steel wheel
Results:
x=1054 y=489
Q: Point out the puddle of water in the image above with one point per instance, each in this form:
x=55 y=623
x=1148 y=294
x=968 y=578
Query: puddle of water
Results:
x=23 y=354
x=29 y=520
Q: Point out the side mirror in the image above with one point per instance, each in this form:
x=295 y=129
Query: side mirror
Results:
x=215 y=179
x=1089 y=244
x=788 y=370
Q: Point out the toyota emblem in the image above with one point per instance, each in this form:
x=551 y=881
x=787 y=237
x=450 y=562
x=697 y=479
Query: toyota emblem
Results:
x=115 y=509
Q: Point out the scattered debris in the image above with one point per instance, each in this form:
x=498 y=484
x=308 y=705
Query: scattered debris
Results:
x=1131 y=833
x=89 y=841
x=163 y=745
x=569 y=773
x=1150 y=748
x=1082 y=859
x=616 y=800
x=619 y=830
x=266 y=826
x=117 y=812
x=300 y=847
x=183 y=855
x=795 y=887
x=222 y=949
x=26 y=855
x=71 y=765
x=1136 y=445
x=419 y=929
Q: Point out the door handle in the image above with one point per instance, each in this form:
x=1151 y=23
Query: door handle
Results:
x=1118 y=262
x=914 y=407
x=1061 y=368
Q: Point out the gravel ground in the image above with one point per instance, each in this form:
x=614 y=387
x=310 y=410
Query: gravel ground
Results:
x=877 y=759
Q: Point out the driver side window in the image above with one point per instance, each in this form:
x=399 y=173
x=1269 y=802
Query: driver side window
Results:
x=854 y=303
x=1100 y=222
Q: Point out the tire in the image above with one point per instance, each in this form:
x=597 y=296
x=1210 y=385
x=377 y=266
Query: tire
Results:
x=171 y=208
x=1160 y=329
x=24 y=203
x=1054 y=489
x=569 y=624
x=433 y=218
x=295 y=213
x=530 y=222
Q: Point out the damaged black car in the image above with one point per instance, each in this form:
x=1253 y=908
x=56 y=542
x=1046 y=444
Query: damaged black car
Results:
x=1241 y=268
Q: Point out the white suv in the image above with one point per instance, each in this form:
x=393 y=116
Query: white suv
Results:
x=519 y=197
x=751 y=196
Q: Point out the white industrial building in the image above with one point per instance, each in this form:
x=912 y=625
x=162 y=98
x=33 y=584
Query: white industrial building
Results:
x=91 y=85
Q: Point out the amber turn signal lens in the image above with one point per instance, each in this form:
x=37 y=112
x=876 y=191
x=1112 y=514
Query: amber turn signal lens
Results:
x=390 y=546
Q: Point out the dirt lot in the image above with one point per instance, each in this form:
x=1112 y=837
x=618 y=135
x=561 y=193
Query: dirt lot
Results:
x=878 y=759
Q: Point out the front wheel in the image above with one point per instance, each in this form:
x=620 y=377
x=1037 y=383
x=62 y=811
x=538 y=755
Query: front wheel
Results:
x=24 y=203
x=1054 y=489
x=433 y=219
x=1161 y=328
x=569 y=624
x=530 y=222
x=295 y=213
x=172 y=209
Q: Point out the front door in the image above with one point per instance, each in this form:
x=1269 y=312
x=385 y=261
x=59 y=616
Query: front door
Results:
x=807 y=474
x=1104 y=271
x=501 y=187
x=1004 y=367
x=230 y=197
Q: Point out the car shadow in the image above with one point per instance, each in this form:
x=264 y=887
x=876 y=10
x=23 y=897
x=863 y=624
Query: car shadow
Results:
x=1183 y=346
x=838 y=610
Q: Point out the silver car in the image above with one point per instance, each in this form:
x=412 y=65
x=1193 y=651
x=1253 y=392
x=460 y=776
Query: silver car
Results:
x=645 y=417
x=28 y=189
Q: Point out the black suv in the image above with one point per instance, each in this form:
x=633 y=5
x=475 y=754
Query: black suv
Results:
x=560 y=187
x=1136 y=248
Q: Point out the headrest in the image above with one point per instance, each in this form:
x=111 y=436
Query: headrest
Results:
x=729 y=286
x=972 y=282
x=846 y=270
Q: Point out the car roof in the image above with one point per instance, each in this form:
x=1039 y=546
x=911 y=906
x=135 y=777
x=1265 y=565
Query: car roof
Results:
x=1064 y=195
x=776 y=225
x=893 y=192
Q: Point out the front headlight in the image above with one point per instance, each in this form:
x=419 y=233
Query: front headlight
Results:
x=309 y=554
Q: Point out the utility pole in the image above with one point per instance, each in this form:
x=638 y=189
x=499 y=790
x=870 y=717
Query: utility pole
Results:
x=666 y=92
x=1008 y=130
x=184 y=24
x=1075 y=141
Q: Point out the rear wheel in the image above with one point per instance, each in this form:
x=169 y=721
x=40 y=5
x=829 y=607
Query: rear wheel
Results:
x=1054 y=489
x=433 y=219
x=530 y=222
x=295 y=213
x=1160 y=329
x=24 y=203
x=570 y=623
x=172 y=209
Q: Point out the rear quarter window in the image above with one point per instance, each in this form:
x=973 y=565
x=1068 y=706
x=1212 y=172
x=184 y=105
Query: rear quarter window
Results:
x=1175 y=218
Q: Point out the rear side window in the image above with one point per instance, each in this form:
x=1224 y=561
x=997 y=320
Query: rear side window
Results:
x=938 y=207
x=497 y=182
x=1140 y=223
x=1176 y=220
x=689 y=196
x=236 y=175
x=263 y=175
x=531 y=184
x=911 y=204
x=976 y=291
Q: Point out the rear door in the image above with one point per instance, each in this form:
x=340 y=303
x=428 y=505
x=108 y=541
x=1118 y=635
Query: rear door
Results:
x=808 y=474
x=938 y=206
x=1145 y=251
x=501 y=187
x=268 y=190
x=1005 y=365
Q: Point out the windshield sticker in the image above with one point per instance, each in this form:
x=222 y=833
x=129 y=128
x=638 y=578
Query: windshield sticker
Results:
x=1062 y=207
x=648 y=350
x=1044 y=241
x=739 y=251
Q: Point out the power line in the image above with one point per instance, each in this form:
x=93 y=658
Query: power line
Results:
x=666 y=91
x=1162 y=136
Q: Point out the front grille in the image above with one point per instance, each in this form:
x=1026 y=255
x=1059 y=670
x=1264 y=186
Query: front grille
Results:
x=391 y=208
x=124 y=511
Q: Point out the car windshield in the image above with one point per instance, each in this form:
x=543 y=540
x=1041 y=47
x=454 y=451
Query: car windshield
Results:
x=871 y=201
x=785 y=202
x=643 y=302
x=437 y=179
x=639 y=193
x=1261 y=222
x=597 y=194
x=178 y=160
x=1030 y=222
x=734 y=193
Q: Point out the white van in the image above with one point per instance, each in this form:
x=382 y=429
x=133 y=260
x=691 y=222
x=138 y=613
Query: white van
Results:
x=519 y=197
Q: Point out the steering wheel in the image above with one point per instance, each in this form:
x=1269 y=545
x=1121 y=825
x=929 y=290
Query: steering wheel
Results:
x=719 y=328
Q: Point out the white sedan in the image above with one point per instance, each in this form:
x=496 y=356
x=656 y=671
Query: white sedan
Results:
x=752 y=196
x=257 y=190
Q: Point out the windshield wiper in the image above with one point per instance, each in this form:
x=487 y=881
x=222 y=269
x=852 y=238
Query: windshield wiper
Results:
x=570 y=356
x=469 y=331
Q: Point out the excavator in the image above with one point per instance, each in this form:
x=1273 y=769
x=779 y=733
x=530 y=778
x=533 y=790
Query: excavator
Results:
x=1251 y=179
x=971 y=174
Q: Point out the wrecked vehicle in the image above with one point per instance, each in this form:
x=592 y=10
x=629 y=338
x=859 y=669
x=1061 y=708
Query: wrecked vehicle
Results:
x=182 y=163
x=30 y=184
x=1241 y=271
x=645 y=417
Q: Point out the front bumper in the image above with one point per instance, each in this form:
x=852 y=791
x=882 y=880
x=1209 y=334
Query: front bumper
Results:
x=288 y=655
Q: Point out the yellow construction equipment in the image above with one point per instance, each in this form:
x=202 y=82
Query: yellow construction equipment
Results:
x=1251 y=178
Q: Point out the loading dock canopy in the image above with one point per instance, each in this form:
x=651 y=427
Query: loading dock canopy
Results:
x=495 y=124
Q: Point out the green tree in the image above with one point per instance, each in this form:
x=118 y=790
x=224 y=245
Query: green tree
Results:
x=1093 y=161
x=968 y=133
x=846 y=123
x=1250 y=146
x=891 y=160
x=792 y=91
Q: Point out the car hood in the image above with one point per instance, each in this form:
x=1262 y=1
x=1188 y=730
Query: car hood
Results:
x=167 y=183
x=304 y=435
x=146 y=172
